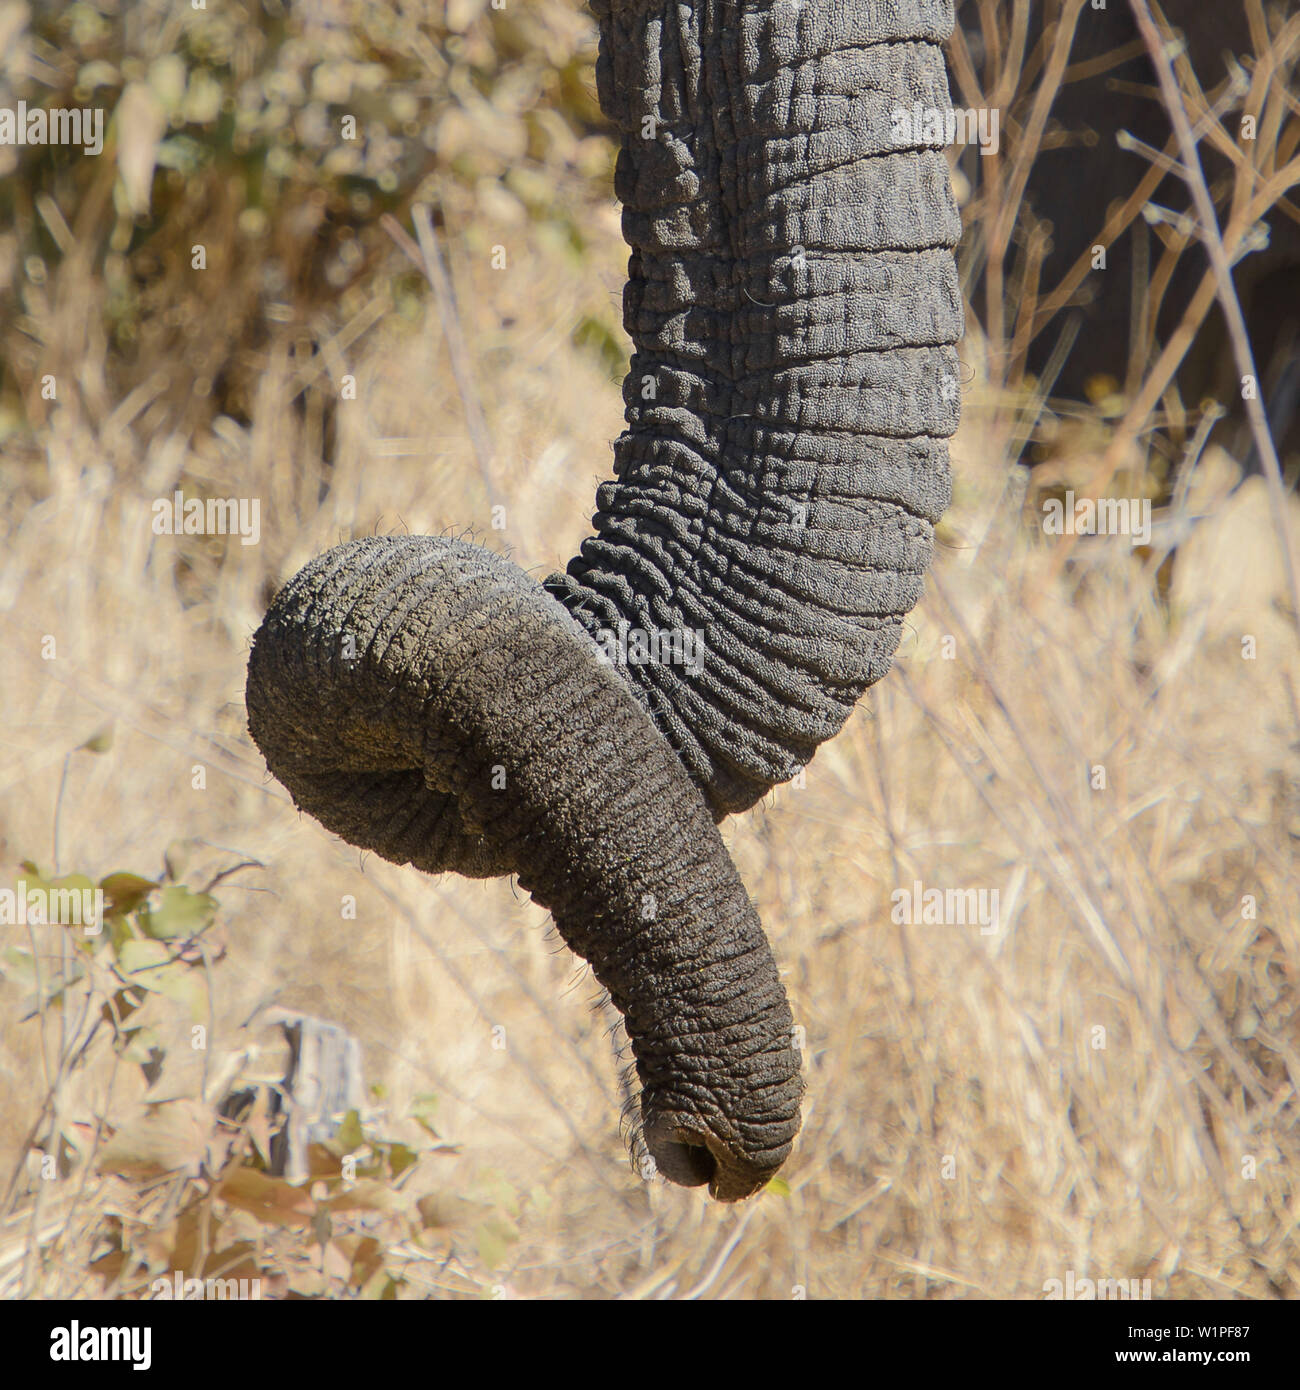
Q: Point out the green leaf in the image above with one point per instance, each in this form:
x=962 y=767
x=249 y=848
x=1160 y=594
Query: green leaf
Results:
x=99 y=742
x=120 y=932
x=66 y=901
x=400 y=1158
x=494 y=1238
x=138 y=956
x=499 y=1191
x=182 y=983
x=180 y=913
x=349 y=1137
x=150 y=965
x=16 y=964
x=124 y=891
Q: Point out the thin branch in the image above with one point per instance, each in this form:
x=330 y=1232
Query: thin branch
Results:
x=427 y=258
x=1226 y=292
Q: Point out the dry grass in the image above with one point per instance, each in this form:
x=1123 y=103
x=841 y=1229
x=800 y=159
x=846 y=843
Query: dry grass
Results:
x=1107 y=1084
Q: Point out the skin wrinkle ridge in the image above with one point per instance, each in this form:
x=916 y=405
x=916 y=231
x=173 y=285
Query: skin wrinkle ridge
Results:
x=791 y=291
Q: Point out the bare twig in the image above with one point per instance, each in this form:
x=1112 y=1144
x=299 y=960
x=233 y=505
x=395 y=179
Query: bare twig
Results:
x=1005 y=199
x=234 y=869
x=427 y=257
x=1227 y=294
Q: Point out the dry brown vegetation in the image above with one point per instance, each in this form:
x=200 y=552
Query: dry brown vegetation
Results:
x=1106 y=1085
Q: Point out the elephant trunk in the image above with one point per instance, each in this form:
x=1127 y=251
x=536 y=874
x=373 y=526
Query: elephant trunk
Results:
x=793 y=300
x=793 y=304
x=427 y=700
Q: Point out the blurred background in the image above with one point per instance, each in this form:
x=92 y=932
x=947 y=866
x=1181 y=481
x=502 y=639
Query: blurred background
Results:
x=1104 y=733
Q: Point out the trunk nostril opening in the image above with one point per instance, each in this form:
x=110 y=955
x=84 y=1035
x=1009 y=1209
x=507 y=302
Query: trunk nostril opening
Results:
x=693 y=1157
x=680 y=1157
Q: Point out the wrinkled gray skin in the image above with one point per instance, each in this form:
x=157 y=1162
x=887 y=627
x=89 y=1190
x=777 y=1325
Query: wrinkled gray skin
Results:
x=793 y=303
